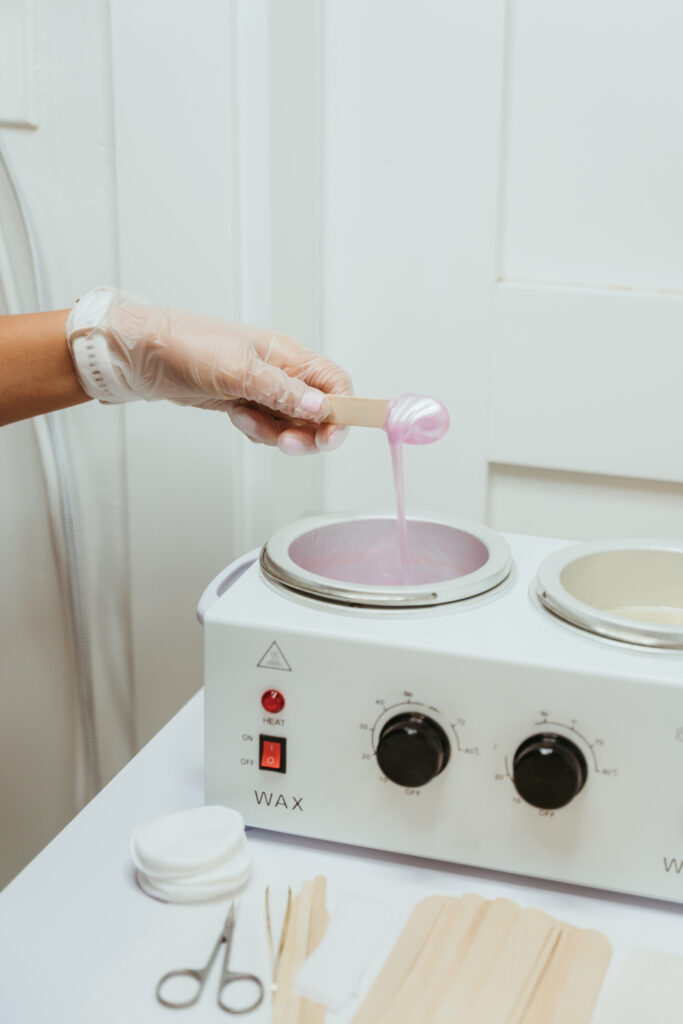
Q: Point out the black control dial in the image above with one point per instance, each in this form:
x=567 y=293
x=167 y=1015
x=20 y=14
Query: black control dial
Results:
x=549 y=770
x=412 y=749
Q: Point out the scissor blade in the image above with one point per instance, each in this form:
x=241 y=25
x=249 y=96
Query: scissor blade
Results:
x=229 y=925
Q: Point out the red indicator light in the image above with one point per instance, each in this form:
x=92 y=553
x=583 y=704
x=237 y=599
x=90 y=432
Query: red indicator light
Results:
x=273 y=701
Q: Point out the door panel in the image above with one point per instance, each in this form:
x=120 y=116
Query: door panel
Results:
x=593 y=155
x=588 y=381
x=587 y=332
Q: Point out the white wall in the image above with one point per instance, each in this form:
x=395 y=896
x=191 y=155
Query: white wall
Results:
x=65 y=169
x=178 y=244
x=158 y=487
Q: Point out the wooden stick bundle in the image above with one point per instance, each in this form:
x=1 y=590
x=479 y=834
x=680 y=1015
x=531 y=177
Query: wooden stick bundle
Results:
x=487 y=962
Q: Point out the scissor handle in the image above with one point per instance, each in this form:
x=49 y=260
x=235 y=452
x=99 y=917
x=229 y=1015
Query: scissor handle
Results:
x=184 y=972
x=229 y=978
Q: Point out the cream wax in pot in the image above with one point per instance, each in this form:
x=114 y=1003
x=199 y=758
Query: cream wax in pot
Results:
x=411 y=419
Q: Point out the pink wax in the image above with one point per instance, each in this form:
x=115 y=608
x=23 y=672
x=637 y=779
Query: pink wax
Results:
x=411 y=419
x=363 y=551
x=416 y=419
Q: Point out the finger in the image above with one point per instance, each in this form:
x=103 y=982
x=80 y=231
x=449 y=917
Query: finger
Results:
x=329 y=437
x=273 y=387
x=326 y=376
x=296 y=360
x=261 y=428
x=257 y=426
x=298 y=441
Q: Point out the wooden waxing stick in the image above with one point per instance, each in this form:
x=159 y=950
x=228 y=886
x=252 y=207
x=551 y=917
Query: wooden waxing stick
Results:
x=319 y=914
x=462 y=989
x=349 y=411
x=516 y=969
x=300 y=946
x=287 y=1005
x=569 y=988
x=444 y=950
x=587 y=972
x=537 y=974
x=471 y=910
x=314 y=1013
x=275 y=953
x=284 y=972
x=544 y=996
x=401 y=959
x=398 y=1004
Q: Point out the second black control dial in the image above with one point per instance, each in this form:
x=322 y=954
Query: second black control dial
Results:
x=549 y=770
x=412 y=749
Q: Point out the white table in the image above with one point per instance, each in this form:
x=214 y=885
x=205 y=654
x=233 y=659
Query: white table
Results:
x=79 y=942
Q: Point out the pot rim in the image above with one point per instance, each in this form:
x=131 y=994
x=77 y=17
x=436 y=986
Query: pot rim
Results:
x=279 y=567
x=555 y=597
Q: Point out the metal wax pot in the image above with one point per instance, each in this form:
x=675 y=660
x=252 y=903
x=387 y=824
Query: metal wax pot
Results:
x=355 y=560
x=627 y=590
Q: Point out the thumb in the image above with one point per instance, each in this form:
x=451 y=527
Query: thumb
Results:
x=270 y=386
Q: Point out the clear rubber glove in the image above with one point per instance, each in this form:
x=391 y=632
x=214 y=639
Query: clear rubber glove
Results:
x=273 y=388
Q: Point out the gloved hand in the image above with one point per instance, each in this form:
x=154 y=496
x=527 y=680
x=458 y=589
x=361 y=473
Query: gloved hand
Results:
x=272 y=387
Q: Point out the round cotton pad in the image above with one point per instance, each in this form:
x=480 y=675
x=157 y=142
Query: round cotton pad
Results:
x=226 y=875
x=187 y=892
x=186 y=842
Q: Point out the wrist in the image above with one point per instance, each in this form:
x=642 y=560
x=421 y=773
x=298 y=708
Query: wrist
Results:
x=99 y=361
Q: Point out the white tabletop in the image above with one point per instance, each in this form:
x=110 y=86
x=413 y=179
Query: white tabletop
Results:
x=80 y=942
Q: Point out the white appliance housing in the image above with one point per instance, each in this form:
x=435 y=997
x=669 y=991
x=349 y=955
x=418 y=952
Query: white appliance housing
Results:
x=491 y=671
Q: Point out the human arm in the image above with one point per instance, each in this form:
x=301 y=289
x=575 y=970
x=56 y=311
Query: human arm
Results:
x=37 y=374
x=116 y=347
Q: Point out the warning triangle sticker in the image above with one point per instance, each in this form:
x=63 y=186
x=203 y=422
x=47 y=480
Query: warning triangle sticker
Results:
x=274 y=658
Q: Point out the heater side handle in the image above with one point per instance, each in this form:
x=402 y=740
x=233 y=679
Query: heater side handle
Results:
x=224 y=581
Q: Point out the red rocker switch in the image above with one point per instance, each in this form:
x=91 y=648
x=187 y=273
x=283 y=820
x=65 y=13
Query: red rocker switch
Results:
x=272 y=753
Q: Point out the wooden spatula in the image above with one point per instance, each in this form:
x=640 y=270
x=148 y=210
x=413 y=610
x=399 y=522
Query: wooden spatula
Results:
x=440 y=958
x=401 y=960
x=349 y=411
x=570 y=985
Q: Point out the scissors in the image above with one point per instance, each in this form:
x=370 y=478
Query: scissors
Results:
x=200 y=975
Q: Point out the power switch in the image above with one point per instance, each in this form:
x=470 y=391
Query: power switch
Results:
x=272 y=753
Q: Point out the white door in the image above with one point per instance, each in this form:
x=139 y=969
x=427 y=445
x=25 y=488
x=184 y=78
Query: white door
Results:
x=587 y=339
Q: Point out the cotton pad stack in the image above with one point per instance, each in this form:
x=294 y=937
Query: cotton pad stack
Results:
x=191 y=856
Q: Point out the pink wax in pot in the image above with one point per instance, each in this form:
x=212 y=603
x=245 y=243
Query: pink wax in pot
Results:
x=364 y=551
x=411 y=419
x=384 y=552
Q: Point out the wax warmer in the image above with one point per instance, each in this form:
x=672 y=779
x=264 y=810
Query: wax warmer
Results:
x=518 y=705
